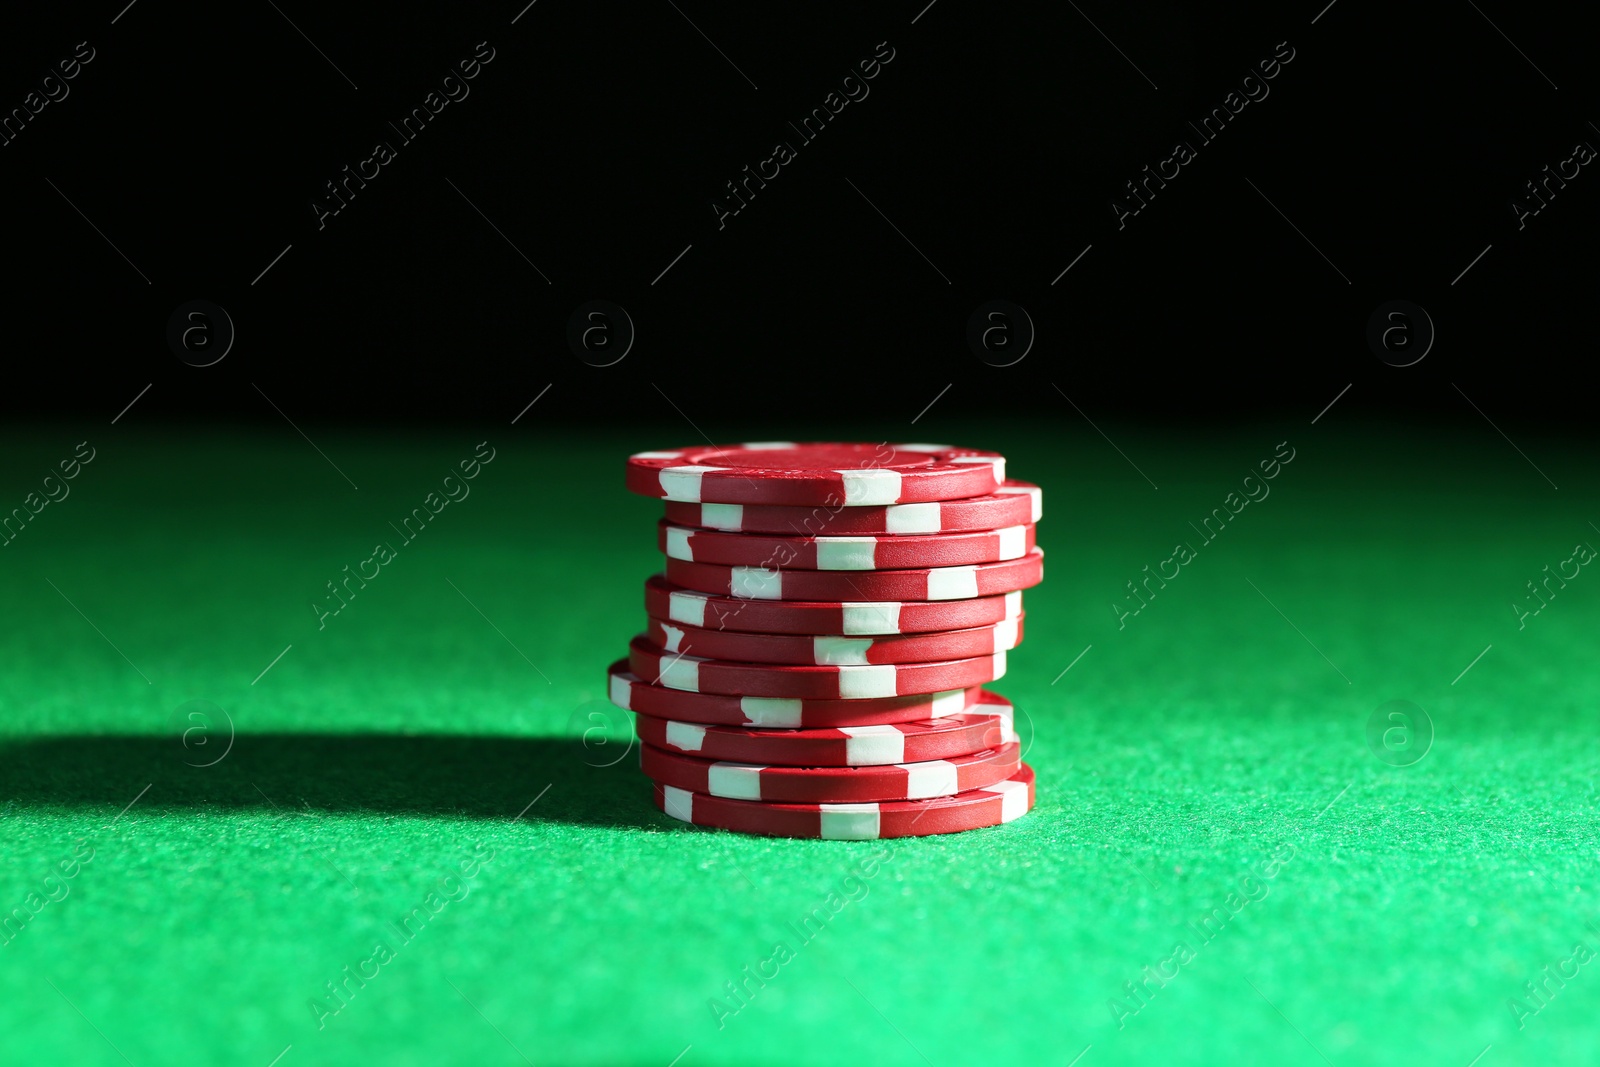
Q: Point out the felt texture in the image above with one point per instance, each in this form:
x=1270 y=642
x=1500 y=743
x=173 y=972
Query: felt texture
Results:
x=1210 y=753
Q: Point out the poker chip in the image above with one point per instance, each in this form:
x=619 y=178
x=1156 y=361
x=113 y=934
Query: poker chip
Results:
x=916 y=583
x=829 y=474
x=987 y=724
x=1013 y=504
x=672 y=603
x=676 y=670
x=762 y=714
x=892 y=552
x=831 y=785
x=817 y=645
x=997 y=804
x=835 y=650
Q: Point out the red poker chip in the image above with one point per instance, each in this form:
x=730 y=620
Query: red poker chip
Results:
x=832 y=785
x=917 y=583
x=694 y=674
x=1013 y=504
x=977 y=808
x=629 y=691
x=663 y=600
x=830 y=474
x=865 y=553
x=833 y=650
x=988 y=724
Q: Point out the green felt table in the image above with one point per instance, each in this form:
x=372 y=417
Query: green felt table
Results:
x=1220 y=868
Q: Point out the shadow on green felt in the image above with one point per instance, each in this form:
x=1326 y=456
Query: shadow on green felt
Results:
x=439 y=775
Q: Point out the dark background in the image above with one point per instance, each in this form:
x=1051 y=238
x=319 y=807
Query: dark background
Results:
x=597 y=138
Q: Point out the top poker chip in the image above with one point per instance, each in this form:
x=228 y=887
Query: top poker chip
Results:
x=828 y=474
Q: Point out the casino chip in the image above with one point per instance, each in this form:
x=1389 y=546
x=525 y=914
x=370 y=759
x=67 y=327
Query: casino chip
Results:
x=633 y=693
x=1013 y=504
x=832 y=785
x=887 y=553
x=1000 y=803
x=676 y=670
x=917 y=583
x=987 y=724
x=663 y=600
x=801 y=650
x=816 y=648
x=828 y=474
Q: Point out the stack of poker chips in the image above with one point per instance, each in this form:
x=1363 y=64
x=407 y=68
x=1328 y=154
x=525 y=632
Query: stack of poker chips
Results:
x=818 y=644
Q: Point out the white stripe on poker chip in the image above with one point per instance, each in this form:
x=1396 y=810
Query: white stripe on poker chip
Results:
x=850 y=822
x=873 y=745
x=678 y=803
x=1013 y=541
x=740 y=781
x=766 y=446
x=673 y=635
x=1013 y=798
x=998 y=462
x=872 y=618
x=840 y=651
x=1008 y=719
x=621 y=692
x=688 y=608
x=756 y=583
x=1035 y=496
x=722 y=516
x=932 y=778
x=1013 y=604
x=950 y=702
x=870 y=486
x=772 y=712
x=912 y=519
x=678 y=543
x=1005 y=635
x=860 y=683
x=680 y=672
x=686 y=736
x=847 y=553
x=952 y=583
x=923 y=448
x=657 y=455
x=999 y=666
x=682 y=483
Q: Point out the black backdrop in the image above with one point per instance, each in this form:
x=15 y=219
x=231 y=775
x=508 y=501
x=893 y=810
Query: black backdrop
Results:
x=983 y=161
